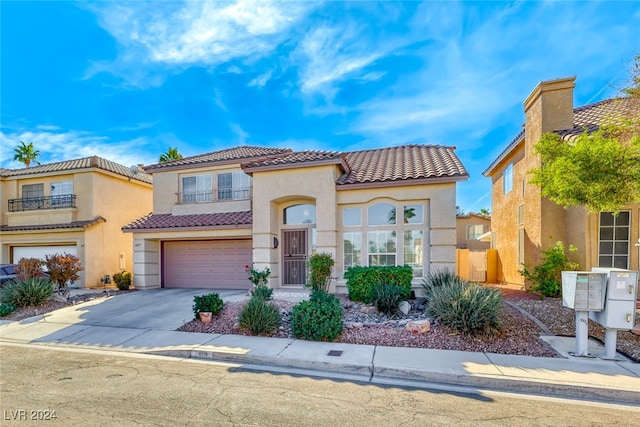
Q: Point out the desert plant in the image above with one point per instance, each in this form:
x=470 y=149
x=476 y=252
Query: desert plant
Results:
x=263 y=292
x=259 y=316
x=468 y=308
x=438 y=278
x=63 y=269
x=320 y=266
x=362 y=280
x=122 y=279
x=386 y=298
x=207 y=303
x=29 y=267
x=7 y=309
x=27 y=293
x=547 y=276
x=318 y=319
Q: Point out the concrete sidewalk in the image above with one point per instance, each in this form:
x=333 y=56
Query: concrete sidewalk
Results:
x=145 y=322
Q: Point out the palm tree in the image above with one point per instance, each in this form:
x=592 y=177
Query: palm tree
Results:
x=25 y=153
x=171 y=154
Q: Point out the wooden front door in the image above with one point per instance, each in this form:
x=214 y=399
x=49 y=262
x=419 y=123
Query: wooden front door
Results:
x=294 y=254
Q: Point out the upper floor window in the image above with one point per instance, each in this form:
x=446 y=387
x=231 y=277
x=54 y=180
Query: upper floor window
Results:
x=32 y=191
x=474 y=231
x=413 y=214
x=381 y=214
x=61 y=192
x=233 y=185
x=196 y=189
x=300 y=214
x=613 y=245
x=507 y=179
x=352 y=217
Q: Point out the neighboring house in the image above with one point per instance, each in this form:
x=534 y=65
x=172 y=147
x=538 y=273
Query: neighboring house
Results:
x=470 y=228
x=216 y=213
x=524 y=223
x=76 y=207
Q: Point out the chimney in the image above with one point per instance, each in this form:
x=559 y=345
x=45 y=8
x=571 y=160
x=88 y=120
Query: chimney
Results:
x=548 y=108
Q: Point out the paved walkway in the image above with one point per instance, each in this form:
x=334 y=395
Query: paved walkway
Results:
x=146 y=322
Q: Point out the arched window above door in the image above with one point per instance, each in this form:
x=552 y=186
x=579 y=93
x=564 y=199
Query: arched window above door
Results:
x=300 y=214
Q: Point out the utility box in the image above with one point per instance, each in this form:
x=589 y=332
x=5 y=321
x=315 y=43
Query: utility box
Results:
x=584 y=290
x=620 y=299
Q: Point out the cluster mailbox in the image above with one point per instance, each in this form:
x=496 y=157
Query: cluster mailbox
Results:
x=584 y=290
x=620 y=303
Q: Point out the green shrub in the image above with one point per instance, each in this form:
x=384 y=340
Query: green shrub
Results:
x=123 y=280
x=320 y=266
x=7 y=309
x=319 y=319
x=438 y=278
x=547 y=276
x=468 y=308
x=27 y=293
x=259 y=316
x=263 y=292
x=362 y=280
x=258 y=277
x=210 y=302
x=386 y=298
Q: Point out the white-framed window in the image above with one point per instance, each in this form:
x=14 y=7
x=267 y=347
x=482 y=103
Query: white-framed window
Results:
x=196 y=189
x=32 y=191
x=613 y=244
x=507 y=178
x=374 y=235
x=299 y=214
x=233 y=185
x=61 y=192
x=474 y=231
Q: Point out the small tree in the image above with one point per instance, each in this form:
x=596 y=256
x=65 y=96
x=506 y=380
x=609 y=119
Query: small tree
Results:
x=25 y=153
x=29 y=267
x=63 y=269
x=171 y=154
x=320 y=266
x=547 y=276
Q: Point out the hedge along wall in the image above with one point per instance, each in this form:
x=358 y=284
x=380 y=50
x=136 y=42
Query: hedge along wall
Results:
x=362 y=280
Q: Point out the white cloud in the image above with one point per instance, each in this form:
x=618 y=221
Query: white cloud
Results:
x=262 y=79
x=241 y=134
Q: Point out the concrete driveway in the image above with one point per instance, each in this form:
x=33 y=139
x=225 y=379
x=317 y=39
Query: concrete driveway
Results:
x=161 y=309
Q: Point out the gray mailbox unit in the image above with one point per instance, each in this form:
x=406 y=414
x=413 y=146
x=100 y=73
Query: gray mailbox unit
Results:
x=619 y=307
x=583 y=291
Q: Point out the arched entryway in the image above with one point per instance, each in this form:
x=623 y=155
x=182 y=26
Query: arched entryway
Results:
x=298 y=242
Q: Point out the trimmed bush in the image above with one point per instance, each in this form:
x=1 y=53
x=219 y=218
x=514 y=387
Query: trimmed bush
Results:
x=362 y=280
x=7 y=309
x=123 y=280
x=209 y=302
x=320 y=266
x=27 y=293
x=259 y=316
x=319 y=319
x=262 y=292
x=386 y=298
x=63 y=269
x=29 y=267
x=468 y=308
x=438 y=278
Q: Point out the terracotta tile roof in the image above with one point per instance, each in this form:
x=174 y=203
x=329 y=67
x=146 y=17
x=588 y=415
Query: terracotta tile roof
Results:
x=403 y=163
x=68 y=225
x=292 y=158
x=588 y=117
x=229 y=154
x=79 y=164
x=163 y=221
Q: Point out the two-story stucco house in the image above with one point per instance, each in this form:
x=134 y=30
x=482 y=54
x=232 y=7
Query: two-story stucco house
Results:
x=523 y=223
x=215 y=213
x=76 y=207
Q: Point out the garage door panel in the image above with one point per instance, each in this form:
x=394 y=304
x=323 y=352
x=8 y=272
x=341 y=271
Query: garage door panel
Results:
x=41 y=251
x=218 y=264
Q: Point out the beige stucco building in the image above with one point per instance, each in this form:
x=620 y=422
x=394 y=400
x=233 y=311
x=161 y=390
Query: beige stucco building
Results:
x=216 y=213
x=470 y=228
x=76 y=207
x=524 y=223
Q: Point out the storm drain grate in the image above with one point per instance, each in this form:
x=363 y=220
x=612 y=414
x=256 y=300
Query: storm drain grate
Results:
x=335 y=353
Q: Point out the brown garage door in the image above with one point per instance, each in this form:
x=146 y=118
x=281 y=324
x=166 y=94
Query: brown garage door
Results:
x=216 y=264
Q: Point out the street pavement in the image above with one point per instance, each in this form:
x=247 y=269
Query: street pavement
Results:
x=146 y=323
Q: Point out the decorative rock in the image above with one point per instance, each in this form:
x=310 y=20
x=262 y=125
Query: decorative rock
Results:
x=419 y=326
x=404 y=307
x=636 y=330
x=357 y=325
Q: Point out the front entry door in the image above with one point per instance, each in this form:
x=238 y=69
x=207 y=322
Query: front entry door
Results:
x=294 y=253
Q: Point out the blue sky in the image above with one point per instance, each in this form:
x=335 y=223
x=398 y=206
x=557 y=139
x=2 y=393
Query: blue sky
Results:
x=127 y=80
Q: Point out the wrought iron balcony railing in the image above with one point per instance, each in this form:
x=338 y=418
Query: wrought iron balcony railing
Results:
x=35 y=203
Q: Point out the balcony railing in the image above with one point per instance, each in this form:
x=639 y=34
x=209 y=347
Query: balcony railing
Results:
x=241 y=193
x=35 y=203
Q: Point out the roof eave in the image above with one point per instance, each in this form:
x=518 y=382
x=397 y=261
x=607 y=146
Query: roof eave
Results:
x=489 y=171
x=296 y=165
x=403 y=182
x=191 y=228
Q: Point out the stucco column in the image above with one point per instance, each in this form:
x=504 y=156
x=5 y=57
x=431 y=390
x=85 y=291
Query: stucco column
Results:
x=146 y=263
